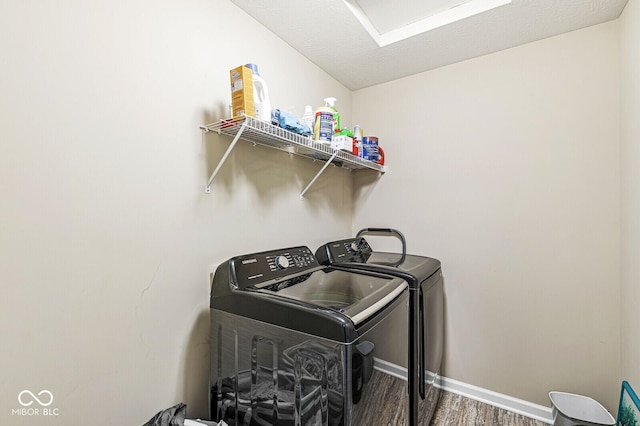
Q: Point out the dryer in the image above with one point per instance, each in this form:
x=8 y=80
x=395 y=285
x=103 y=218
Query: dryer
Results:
x=425 y=321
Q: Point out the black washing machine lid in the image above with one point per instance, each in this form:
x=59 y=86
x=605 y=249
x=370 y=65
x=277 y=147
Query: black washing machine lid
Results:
x=355 y=295
x=289 y=288
x=356 y=253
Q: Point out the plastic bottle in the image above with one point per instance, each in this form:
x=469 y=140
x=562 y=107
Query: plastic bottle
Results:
x=307 y=117
x=357 y=140
x=260 y=95
x=331 y=103
x=380 y=156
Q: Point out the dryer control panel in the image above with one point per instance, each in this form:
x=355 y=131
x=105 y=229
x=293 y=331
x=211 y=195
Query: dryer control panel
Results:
x=263 y=269
x=354 y=250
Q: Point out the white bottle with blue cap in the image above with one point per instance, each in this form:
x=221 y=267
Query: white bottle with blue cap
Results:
x=260 y=95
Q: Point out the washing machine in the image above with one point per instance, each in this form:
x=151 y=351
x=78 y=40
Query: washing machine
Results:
x=289 y=338
x=425 y=314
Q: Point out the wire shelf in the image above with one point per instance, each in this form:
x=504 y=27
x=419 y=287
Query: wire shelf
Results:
x=267 y=134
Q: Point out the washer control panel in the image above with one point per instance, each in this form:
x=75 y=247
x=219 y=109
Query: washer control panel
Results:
x=262 y=269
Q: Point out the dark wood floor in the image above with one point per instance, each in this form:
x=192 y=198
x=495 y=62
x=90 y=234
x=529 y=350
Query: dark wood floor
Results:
x=389 y=407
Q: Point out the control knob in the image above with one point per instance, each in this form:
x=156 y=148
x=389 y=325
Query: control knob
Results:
x=354 y=246
x=282 y=262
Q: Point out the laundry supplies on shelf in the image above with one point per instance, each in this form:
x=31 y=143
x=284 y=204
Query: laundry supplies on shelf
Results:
x=331 y=103
x=323 y=127
x=273 y=136
x=289 y=122
x=261 y=101
x=242 y=101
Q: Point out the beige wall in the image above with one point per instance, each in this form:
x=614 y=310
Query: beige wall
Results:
x=107 y=237
x=506 y=168
x=630 y=190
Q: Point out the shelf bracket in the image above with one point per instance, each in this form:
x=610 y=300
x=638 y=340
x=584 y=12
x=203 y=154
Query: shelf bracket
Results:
x=318 y=174
x=224 y=157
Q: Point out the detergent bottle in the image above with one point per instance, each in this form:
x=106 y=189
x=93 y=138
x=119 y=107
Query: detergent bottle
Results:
x=260 y=95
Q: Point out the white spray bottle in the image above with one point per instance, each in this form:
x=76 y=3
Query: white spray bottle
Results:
x=331 y=103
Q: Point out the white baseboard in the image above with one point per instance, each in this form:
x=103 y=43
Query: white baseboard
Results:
x=515 y=405
x=389 y=368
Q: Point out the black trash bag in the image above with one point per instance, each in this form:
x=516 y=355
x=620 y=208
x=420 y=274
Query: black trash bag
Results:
x=173 y=416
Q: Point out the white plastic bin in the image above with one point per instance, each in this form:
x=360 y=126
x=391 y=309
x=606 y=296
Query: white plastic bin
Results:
x=570 y=409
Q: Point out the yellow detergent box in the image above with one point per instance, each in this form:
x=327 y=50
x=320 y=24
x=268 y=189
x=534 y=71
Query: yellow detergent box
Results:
x=241 y=79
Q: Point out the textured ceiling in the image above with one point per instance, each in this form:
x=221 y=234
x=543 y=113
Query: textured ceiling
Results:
x=329 y=35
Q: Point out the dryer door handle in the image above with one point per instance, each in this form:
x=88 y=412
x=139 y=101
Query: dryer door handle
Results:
x=390 y=231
